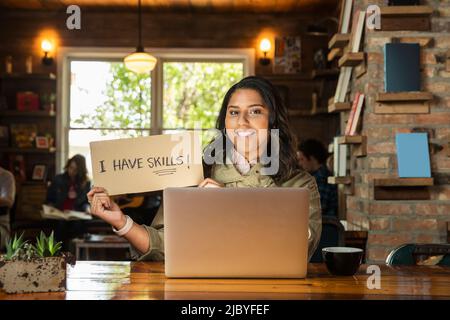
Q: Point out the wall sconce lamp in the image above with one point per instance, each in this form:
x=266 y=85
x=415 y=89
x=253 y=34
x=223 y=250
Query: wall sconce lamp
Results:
x=47 y=46
x=264 y=45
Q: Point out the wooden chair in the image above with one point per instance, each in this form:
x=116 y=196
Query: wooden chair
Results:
x=420 y=254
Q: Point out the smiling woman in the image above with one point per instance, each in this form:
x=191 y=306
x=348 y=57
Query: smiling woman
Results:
x=250 y=111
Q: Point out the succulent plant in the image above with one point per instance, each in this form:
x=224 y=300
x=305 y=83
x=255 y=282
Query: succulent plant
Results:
x=14 y=246
x=52 y=246
x=45 y=246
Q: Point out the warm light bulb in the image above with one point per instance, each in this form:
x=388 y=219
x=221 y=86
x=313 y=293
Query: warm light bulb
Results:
x=46 y=45
x=265 y=45
x=140 y=62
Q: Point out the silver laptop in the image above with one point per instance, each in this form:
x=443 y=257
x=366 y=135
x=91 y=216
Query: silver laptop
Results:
x=236 y=232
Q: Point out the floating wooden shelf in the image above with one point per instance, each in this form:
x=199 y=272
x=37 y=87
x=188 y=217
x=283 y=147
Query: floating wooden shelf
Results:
x=351 y=139
x=406 y=11
x=339 y=40
x=404 y=96
x=340 y=180
x=334 y=53
x=359 y=144
x=397 y=18
x=403 y=102
x=28 y=150
x=422 y=41
x=402 y=188
x=403 y=182
x=34 y=76
x=339 y=106
x=351 y=59
x=16 y=113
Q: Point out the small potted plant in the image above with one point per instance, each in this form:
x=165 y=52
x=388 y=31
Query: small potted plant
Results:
x=34 y=268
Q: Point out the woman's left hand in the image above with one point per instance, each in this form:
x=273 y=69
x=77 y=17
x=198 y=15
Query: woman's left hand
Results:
x=210 y=183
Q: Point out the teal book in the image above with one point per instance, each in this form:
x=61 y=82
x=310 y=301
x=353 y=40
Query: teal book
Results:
x=413 y=155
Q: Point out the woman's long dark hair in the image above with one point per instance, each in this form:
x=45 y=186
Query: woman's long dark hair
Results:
x=278 y=119
x=81 y=178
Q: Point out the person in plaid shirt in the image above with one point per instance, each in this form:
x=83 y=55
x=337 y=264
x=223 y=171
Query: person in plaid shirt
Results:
x=312 y=156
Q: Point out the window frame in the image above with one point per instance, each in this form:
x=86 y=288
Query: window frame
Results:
x=68 y=54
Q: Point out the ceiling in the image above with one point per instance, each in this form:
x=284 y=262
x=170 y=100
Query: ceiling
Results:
x=241 y=6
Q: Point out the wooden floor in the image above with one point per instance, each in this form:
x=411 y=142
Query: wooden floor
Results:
x=97 y=280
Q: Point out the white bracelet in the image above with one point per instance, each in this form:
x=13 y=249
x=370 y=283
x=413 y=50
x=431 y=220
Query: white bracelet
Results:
x=128 y=225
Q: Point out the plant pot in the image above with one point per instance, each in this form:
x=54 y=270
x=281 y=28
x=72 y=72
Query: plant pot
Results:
x=36 y=275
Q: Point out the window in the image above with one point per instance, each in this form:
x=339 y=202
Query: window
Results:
x=193 y=94
x=102 y=100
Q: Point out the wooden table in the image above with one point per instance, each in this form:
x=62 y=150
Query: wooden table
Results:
x=98 y=280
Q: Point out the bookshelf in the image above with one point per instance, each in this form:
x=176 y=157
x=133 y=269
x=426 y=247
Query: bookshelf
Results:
x=359 y=144
x=339 y=107
x=352 y=59
x=424 y=42
x=32 y=114
x=345 y=183
x=23 y=117
x=403 y=182
x=335 y=53
x=28 y=76
x=404 y=96
x=405 y=18
x=402 y=188
x=28 y=150
x=403 y=102
x=347 y=180
x=339 y=40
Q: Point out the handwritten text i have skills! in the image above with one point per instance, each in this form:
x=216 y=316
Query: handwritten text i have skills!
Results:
x=140 y=163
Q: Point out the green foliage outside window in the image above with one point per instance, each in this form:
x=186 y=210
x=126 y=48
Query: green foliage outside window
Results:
x=193 y=93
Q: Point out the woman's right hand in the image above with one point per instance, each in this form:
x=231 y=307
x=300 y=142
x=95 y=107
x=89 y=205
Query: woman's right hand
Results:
x=106 y=209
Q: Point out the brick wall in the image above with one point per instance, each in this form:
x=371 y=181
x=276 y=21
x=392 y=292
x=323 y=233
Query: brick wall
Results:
x=395 y=222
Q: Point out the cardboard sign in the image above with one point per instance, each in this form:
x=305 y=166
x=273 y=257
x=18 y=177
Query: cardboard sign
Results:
x=147 y=163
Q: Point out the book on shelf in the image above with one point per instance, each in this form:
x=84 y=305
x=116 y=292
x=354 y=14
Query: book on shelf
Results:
x=357 y=30
x=342 y=85
x=27 y=101
x=352 y=114
x=287 y=57
x=49 y=212
x=346 y=13
x=413 y=156
x=339 y=158
x=401 y=67
x=23 y=135
x=335 y=156
x=357 y=115
x=342 y=171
